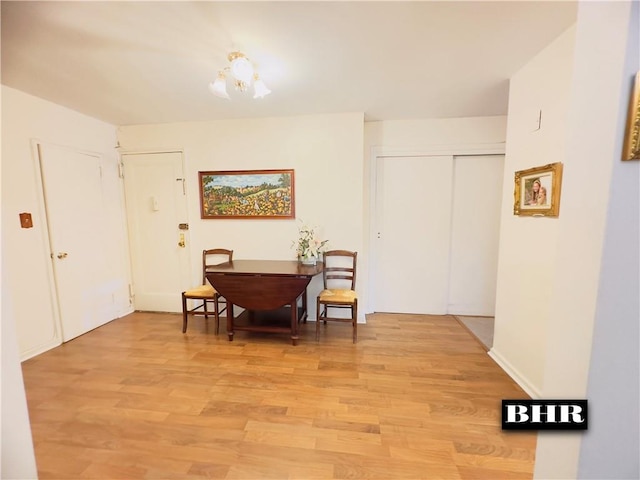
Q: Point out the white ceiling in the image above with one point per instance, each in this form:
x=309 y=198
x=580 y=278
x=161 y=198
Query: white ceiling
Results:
x=151 y=62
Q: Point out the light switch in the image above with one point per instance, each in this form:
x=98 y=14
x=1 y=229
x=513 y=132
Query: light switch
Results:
x=536 y=121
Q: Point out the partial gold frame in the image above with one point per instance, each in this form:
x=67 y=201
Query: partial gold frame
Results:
x=631 y=149
x=520 y=206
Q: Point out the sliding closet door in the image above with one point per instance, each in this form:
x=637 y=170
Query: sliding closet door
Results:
x=436 y=227
x=475 y=229
x=413 y=224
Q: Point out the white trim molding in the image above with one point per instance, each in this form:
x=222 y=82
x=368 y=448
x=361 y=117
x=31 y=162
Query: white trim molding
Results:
x=454 y=150
x=532 y=391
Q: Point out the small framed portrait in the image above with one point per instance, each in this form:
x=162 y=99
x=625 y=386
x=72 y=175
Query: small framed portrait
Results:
x=537 y=191
x=631 y=149
x=248 y=194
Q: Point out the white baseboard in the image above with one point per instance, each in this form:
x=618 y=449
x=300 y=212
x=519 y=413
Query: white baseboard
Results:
x=32 y=352
x=124 y=312
x=522 y=381
x=56 y=342
x=467 y=311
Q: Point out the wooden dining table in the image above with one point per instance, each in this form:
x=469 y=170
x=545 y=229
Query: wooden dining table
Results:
x=268 y=290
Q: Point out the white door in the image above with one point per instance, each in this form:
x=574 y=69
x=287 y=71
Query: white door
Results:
x=413 y=224
x=72 y=186
x=475 y=232
x=156 y=206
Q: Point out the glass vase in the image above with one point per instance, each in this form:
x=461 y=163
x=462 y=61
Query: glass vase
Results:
x=309 y=260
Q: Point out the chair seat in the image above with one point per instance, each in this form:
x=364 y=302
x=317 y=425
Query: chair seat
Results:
x=339 y=296
x=203 y=291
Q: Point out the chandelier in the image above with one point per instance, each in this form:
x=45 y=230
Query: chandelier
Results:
x=242 y=73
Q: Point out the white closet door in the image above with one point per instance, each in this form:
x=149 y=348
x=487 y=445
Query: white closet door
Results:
x=413 y=220
x=475 y=232
x=72 y=184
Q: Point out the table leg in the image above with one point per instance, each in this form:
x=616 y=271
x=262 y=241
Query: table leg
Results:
x=304 y=306
x=294 y=322
x=230 y=321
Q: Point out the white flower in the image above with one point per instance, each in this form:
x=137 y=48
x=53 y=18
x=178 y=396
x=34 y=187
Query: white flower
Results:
x=308 y=245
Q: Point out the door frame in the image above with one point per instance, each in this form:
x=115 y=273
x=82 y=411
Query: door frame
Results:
x=46 y=245
x=150 y=151
x=377 y=154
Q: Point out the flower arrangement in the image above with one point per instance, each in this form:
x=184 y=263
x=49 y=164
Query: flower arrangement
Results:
x=308 y=246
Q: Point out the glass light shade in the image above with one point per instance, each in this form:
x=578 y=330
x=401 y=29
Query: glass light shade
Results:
x=242 y=69
x=219 y=87
x=260 y=89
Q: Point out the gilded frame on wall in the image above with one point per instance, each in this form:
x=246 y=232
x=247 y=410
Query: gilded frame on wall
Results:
x=248 y=194
x=631 y=149
x=537 y=191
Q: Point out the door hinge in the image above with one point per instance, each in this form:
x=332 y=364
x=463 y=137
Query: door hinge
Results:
x=121 y=169
x=131 y=294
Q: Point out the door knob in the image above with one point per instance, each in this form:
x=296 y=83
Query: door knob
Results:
x=181 y=242
x=62 y=255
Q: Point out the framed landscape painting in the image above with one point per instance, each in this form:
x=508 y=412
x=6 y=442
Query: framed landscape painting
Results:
x=267 y=194
x=537 y=191
x=631 y=150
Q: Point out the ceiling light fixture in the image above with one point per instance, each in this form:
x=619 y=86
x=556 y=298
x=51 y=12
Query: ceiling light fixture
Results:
x=243 y=73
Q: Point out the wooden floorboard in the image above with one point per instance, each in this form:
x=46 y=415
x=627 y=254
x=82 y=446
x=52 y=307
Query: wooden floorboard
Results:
x=416 y=397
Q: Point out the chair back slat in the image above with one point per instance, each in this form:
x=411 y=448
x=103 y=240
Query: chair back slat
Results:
x=339 y=265
x=213 y=257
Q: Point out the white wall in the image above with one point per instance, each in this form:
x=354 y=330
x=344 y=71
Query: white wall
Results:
x=553 y=280
x=28 y=265
x=475 y=232
x=430 y=133
x=527 y=255
x=324 y=150
x=582 y=295
x=610 y=448
x=17 y=459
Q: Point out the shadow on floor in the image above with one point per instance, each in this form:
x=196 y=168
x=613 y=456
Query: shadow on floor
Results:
x=479 y=327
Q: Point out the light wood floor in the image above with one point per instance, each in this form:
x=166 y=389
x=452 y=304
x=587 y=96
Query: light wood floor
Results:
x=416 y=397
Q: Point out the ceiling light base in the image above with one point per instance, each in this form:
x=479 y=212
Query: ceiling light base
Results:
x=243 y=74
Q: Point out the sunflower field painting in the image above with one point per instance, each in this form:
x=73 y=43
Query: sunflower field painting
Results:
x=267 y=194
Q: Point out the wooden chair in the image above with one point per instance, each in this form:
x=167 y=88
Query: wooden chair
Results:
x=339 y=277
x=205 y=293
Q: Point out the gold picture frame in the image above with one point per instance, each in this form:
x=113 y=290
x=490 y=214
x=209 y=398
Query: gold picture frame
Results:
x=631 y=149
x=537 y=191
x=247 y=194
